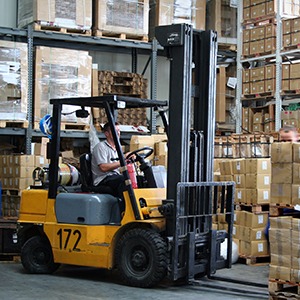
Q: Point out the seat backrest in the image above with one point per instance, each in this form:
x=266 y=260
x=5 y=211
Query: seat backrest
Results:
x=86 y=171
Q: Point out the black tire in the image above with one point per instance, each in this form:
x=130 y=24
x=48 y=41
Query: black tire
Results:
x=37 y=256
x=142 y=257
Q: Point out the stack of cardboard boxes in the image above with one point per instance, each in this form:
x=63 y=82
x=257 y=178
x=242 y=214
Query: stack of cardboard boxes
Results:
x=252 y=177
x=284 y=249
x=16 y=175
x=285 y=185
x=290 y=77
x=249 y=230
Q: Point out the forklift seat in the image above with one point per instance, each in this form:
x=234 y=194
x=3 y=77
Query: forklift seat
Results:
x=87 y=176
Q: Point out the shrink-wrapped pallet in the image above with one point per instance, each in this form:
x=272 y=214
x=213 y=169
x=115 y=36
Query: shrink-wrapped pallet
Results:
x=61 y=73
x=13 y=80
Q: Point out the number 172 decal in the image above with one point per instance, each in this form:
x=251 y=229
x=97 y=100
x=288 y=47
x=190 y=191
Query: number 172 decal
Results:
x=64 y=238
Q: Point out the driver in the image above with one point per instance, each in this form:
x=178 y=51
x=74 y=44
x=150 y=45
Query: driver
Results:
x=105 y=164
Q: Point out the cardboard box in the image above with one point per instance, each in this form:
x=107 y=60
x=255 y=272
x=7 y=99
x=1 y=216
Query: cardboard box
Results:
x=221 y=95
x=281 y=222
x=166 y=12
x=240 y=195
x=222 y=17
x=281 y=193
x=258 y=181
x=279 y=273
x=251 y=220
x=258 y=118
x=281 y=260
x=285 y=71
x=238 y=166
x=258 y=166
x=75 y=14
x=161 y=148
x=226 y=167
x=24 y=160
x=248 y=234
x=296 y=224
x=140 y=141
x=13 y=80
x=116 y=16
x=258 y=196
x=282 y=173
x=296 y=173
x=282 y=152
x=61 y=73
x=254 y=248
x=280 y=241
x=239 y=180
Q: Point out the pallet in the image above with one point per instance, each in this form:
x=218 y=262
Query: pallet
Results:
x=290 y=93
x=14 y=124
x=259 y=54
x=276 y=209
x=74 y=126
x=283 y=290
x=268 y=19
x=254 y=260
x=254 y=208
x=10 y=258
x=227 y=47
x=52 y=27
x=291 y=47
x=11 y=192
x=120 y=35
x=258 y=96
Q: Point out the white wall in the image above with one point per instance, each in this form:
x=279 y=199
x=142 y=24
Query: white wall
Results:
x=8 y=13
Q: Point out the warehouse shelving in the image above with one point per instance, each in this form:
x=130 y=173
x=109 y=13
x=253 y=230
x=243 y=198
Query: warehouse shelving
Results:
x=276 y=57
x=79 y=42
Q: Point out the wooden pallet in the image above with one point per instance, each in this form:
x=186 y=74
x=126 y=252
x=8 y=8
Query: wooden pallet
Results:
x=292 y=47
x=290 y=92
x=10 y=258
x=120 y=35
x=259 y=54
x=254 y=208
x=268 y=19
x=258 y=96
x=59 y=29
x=276 y=209
x=74 y=126
x=254 y=260
x=227 y=47
x=283 y=289
x=13 y=123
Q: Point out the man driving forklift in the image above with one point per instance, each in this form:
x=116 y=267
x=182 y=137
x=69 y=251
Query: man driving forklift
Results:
x=105 y=164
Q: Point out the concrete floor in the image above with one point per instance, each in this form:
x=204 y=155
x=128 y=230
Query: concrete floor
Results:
x=71 y=282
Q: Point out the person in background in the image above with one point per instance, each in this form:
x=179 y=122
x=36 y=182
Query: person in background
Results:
x=288 y=133
x=105 y=164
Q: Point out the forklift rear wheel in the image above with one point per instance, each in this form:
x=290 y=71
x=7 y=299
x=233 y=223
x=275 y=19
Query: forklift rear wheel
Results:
x=37 y=257
x=142 y=257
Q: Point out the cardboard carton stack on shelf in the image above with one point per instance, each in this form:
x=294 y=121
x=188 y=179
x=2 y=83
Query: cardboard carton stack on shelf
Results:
x=165 y=12
x=291 y=30
x=61 y=73
x=16 y=175
x=249 y=231
x=285 y=174
x=156 y=141
x=290 y=78
x=64 y=16
x=244 y=145
x=13 y=81
x=284 y=249
x=121 y=83
x=124 y=19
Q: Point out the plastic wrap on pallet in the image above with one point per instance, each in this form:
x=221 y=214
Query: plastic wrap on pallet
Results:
x=13 y=80
x=166 y=12
x=122 y=16
x=61 y=73
x=76 y=14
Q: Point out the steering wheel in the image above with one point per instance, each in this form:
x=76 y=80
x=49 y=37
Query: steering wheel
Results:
x=139 y=157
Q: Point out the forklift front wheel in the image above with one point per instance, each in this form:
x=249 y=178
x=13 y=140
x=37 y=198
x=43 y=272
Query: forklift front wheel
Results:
x=142 y=257
x=37 y=257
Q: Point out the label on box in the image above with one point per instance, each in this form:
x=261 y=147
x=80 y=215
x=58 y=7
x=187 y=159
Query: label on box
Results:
x=264 y=165
x=260 y=219
x=266 y=180
x=234 y=217
x=234 y=230
x=266 y=195
x=239 y=195
x=238 y=179
x=298 y=192
x=258 y=235
x=238 y=166
x=260 y=247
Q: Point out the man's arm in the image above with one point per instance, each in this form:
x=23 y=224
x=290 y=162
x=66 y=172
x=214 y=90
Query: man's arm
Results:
x=107 y=167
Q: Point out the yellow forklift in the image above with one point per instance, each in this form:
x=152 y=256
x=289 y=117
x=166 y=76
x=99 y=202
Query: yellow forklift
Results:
x=163 y=232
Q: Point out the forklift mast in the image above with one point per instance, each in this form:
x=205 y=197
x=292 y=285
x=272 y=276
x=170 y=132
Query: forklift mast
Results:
x=190 y=186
